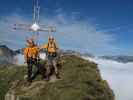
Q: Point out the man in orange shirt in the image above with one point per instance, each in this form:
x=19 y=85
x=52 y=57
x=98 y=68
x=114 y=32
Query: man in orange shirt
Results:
x=31 y=55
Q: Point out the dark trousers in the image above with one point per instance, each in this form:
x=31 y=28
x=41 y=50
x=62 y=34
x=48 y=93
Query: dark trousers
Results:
x=40 y=69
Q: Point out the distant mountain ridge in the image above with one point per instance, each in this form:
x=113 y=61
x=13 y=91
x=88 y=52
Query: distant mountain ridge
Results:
x=6 y=55
x=124 y=59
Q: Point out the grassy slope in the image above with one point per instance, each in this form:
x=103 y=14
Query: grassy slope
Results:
x=81 y=80
x=8 y=74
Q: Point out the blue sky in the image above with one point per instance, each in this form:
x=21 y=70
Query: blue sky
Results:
x=102 y=27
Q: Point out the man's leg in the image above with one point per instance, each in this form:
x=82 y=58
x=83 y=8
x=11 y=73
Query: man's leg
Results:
x=40 y=70
x=56 y=68
x=48 y=67
x=35 y=62
x=29 y=70
x=35 y=74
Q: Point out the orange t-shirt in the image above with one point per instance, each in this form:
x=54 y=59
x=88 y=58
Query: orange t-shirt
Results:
x=31 y=52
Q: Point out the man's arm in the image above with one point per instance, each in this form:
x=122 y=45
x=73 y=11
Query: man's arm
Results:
x=45 y=46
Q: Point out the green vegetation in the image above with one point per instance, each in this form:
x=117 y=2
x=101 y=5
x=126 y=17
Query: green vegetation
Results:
x=8 y=74
x=81 y=80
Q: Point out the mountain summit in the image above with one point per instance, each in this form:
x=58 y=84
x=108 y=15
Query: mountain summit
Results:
x=80 y=80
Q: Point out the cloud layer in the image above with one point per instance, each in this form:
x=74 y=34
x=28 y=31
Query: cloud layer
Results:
x=119 y=76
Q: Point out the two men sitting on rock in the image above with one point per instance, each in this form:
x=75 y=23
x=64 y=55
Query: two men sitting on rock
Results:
x=31 y=55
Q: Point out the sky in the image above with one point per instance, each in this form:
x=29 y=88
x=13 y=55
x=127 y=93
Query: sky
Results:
x=100 y=27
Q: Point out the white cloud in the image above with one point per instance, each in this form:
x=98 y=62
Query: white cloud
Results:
x=118 y=75
x=81 y=34
x=76 y=34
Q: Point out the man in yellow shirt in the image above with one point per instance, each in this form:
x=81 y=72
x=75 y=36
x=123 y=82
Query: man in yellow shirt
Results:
x=51 y=54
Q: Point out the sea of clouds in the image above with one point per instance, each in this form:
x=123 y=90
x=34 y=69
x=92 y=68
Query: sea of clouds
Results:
x=119 y=76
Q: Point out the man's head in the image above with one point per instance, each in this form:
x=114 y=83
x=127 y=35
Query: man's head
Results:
x=30 y=43
x=51 y=39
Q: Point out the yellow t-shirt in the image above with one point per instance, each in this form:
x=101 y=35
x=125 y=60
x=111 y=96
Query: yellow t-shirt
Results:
x=51 y=47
